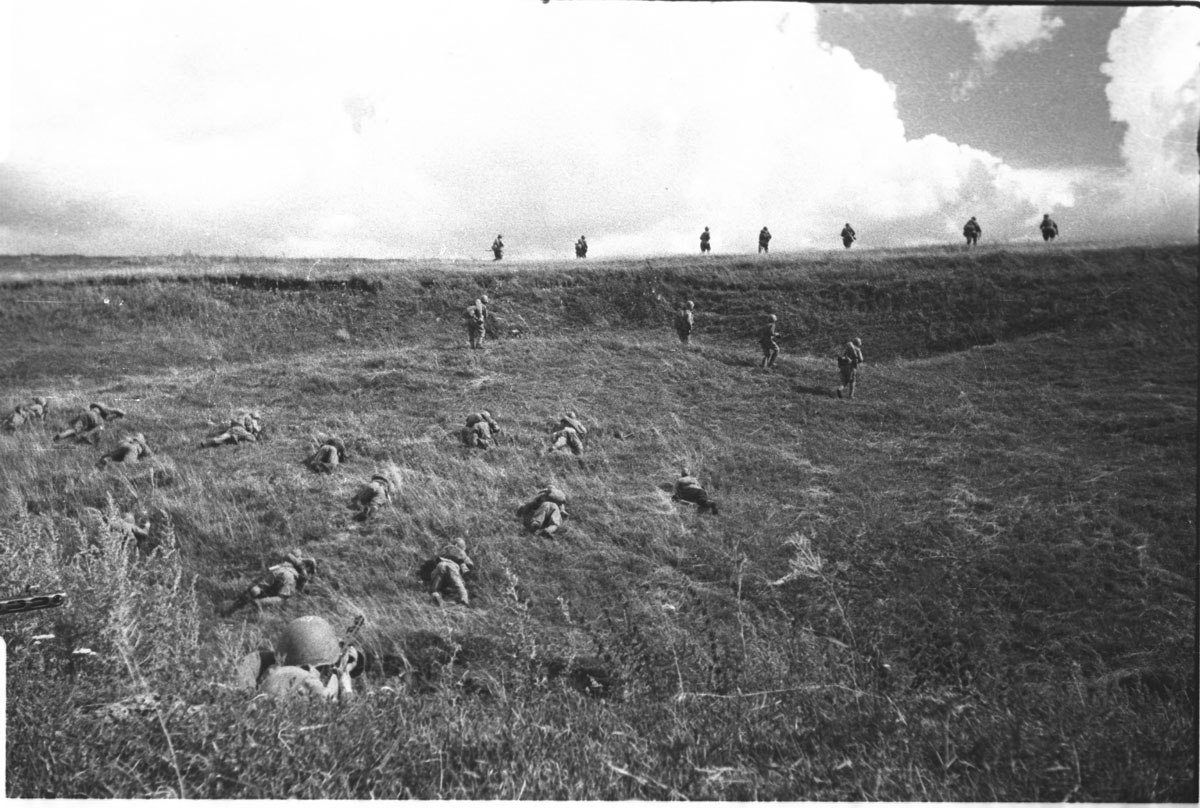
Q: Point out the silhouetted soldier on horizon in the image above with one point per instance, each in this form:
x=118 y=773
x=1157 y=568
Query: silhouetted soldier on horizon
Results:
x=704 y=241
x=1049 y=228
x=972 y=231
x=764 y=240
x=848 y=236
x=581 y=247
x=498 y=248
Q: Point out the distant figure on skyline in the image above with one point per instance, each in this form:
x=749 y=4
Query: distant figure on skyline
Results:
x=581 y=247
x=848 y=236
x=498 y=248
x=704 y=241
x=972 y=231
x=1049 y=228
x=764 y=240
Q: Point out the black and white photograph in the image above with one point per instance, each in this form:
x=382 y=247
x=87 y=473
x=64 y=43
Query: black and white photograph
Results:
x=564 y=400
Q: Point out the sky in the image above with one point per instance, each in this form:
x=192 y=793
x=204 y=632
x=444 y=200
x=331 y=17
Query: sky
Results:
x=380 y=129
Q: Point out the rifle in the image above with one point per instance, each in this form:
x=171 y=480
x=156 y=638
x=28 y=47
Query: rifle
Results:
x=30 y=603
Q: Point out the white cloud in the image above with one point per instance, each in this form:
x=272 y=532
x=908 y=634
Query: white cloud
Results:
x=388 y=129
x=1003 y=29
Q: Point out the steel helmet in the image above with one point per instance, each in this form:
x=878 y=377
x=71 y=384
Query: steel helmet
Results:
x=857 y=341
x=691 y=305
x=308 y=640
x=772 y=317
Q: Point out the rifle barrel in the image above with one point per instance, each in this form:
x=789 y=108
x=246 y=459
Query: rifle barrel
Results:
x=31 y=603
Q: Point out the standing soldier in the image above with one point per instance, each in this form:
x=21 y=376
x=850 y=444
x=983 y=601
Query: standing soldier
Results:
x=848 y=236
x=498 y=248
x=446 y=571
x=86 y=426
x=476 y=323
x=685 y=319
x=972 y=231
x=581 y=247
x=766 y=340
x=1049 y=228
x=848 y=362
x=704 y=241
x=764 y=239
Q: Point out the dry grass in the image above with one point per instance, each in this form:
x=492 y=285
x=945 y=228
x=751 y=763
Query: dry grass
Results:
x=977 y=581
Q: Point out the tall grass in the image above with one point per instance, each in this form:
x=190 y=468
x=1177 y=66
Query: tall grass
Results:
x=976 y=581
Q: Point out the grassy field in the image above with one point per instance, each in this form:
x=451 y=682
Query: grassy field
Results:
x=975 y=581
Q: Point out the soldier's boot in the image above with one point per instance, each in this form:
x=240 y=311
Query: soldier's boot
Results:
x=851 y=392
x=436 y=597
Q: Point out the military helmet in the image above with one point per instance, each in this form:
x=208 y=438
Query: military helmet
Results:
x=308 y=640
x=857 y=341
x=772 y=317
x=485 y=299
x=42 y=401
x=691 y=305
x=555 y=494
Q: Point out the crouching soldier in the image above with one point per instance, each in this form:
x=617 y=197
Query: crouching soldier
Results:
x=280 y=582
x=688 y=489
x=848 y=362
x=245 y=428
x=130 y=450
x=446 y=570
x=25 y=413
x=137 y=527
x=544 y=514
x=308 y=661
x=480 y=431
x=328 y=456
x=568 y=435
x=373 y=496
x=85 y=427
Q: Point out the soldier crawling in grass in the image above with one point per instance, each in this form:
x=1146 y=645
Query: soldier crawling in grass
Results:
x=328 y=456
x=544 y=514
x=480 y=431
x=245 y=428
x=278 y=584
x=24 y=414
x=308 y=661
x=569 y=434
x=374 y=495
x=86 y=427
x=131 y=449
x=445 y=573
x=688 y=489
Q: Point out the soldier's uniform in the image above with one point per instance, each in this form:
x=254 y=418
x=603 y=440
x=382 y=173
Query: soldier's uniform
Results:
x=1048 y=227
x=848 y=362
x=704 y=241
x=308 y=661
x=766 y=340
x=328 y=456
x=480 y=430
x=245 y=428
x=848 y=236
x=685 y=320
x=86 y=427
x=130 y=450
x=972 y=231
x=449 y=566
x=498 y=248
x=476 y=323
x=688 y=489
x=581 y=247
x=280 y=582
x=25 y=413
x=373 y=496
x=545 y=512
x=764 y=240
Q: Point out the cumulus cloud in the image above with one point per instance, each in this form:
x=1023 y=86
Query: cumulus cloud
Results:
x=1003 y=29
x=387 y=129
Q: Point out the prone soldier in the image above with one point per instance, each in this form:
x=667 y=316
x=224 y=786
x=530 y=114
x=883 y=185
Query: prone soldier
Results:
x=446 y=570
x=480 y=431
x=328 y=456
x=25 y=413
x=131 y=449
x=544 y=514
x=569 y=434
x=688 y=489
x=279 y=583
x=374 y=495
x=245 y=428
x=86 y=427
